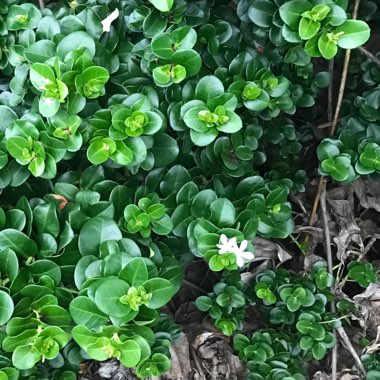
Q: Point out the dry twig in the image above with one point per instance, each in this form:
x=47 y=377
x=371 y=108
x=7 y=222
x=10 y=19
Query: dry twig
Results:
x=369 y=55
x=330 y=91
x=372 y=241
x=195 y=287
x=341 y=331
x=197 y=363
x=327 y=236
x=41 y=4
x=348 y=346
x=336 y=115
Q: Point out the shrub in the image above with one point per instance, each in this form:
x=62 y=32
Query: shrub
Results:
x=137 y=134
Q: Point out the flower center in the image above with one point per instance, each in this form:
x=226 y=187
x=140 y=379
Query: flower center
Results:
x=211 y=119
x=136 y=297
x=22 y=19
x=136 y=122
x=251 y=92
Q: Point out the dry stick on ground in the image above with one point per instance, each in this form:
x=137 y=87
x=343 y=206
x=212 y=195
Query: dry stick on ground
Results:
x=372 y=241
x=195 y=287
x=336 y=115
x=197 y=363
x=348 y=346
x=322 y=185
x=326 y=230
x=41 y=3
x=330 y=91
x=369 y=55
x=341 y=331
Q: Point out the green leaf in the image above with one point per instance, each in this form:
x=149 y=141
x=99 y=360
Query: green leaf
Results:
x=9 y=264
x=217 y=263
x=234 y=123
x=162 y=46
x=255 y=353
x=21 y=244
x=107 y=297
x=25 y=357
x=311 y=47
x=261 y=13
x=293 y=303
x=130 y=353
x=41 y=75
x=162 y=5
x=154 y=24
x=355 y=33
x=209 y=87
x=47 y=28
x=308 y=28
x=337 y=16
x=162 y=292
x=319 y=351
x=185 y=37
x=186 y=59
x=327 y=47
x=363 y=273
x=203 y=138
x=40 y=51
x=222 y=212
x=162 y=226
x=337 y=168
x=25 y=16
x=48 y=107
x=291 y=12
x=306 y=343
x=85 y=312
x=135 y=273
x=94 y=232
x=123 y=155
x=45 y=219
x=240 y=342
x=165 y=150
x=154 y=366
x=98 y=152
x=179 y=73
x=74 y=41
x=258 y=104
x=6 y=307
x=203 y=303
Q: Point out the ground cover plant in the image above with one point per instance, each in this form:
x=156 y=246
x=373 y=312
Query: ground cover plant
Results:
x=145 y=142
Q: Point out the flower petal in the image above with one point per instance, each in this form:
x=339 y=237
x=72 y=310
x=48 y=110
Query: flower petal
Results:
x=243 y=245
x=109 y=19
x=223 y=239
x=247 y=255
x=239 y=261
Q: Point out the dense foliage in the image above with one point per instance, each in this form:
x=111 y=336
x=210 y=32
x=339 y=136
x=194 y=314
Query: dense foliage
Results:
x=138 y=135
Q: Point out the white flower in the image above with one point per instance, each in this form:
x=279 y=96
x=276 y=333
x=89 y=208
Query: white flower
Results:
x=109 y=19
x=231 y=246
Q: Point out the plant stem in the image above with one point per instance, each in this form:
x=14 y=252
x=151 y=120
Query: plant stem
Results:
x=326 y=230
x=297 y=243
x=327 y=237
x=369 y=55
x=330 y=91
x=188 y=283
x=348 y=346
x=336 y=319
x=336 y=115
x=73 y=291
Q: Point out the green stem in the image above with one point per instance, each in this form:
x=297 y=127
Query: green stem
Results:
x=297 y=243
x=336 y=319
x=73 y=291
